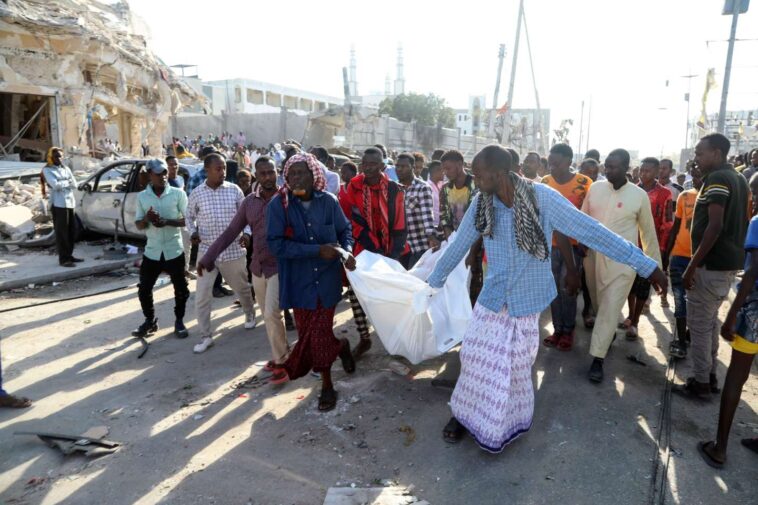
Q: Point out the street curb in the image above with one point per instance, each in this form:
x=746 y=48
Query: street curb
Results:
x=73 y=273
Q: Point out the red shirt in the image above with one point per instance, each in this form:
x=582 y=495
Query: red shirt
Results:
x=662 y=207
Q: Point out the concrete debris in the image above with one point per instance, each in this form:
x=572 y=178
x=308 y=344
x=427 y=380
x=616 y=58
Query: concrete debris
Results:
x=16 y=221
x=94 y=56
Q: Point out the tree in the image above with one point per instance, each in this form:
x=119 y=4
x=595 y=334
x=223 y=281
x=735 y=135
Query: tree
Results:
x=428 y=110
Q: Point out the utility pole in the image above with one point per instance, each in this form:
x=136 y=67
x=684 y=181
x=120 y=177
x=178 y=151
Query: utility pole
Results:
x=589 y=123
x=507 y=118
x=500 y=57
x=732 y=7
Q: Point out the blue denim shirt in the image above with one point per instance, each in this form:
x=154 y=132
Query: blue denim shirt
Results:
x=517 y=279
x=295 y=238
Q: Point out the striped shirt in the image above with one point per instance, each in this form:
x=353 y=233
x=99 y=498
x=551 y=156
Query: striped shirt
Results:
x=516 y=279
x=209 y=212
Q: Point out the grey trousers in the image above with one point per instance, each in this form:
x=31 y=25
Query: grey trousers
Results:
x=703 y=303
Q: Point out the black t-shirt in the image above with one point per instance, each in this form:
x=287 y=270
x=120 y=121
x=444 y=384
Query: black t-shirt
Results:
x=724 y=186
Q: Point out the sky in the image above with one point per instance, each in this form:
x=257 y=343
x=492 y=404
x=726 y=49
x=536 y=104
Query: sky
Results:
x=617 y=55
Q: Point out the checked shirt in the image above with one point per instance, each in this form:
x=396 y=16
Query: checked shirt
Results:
x=209 y=212
x=419 y=217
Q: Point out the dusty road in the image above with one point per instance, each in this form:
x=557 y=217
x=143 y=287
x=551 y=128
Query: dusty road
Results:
x=191 y=437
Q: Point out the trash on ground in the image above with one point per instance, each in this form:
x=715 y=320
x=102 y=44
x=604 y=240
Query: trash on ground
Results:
x=69 y=444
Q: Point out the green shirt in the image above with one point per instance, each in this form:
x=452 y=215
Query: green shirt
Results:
x=727 y=187
x=172 y=204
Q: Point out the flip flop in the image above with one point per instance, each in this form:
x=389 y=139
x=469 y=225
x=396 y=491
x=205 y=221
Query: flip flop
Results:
x=707 y=457
x=453 y=431
x=327 y=401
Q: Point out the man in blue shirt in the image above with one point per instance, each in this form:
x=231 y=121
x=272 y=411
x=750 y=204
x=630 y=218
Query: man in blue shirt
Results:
x=308 y=234
x=160 y=212
x=493 y=398
x=62 y=203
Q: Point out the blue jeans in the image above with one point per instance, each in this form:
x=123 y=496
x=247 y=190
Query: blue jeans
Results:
x=677 y=266
x=563 y=307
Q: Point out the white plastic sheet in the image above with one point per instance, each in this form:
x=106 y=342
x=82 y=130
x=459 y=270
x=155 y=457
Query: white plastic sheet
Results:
x=412 y=319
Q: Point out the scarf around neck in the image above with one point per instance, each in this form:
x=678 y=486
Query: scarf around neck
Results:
x=530 y=237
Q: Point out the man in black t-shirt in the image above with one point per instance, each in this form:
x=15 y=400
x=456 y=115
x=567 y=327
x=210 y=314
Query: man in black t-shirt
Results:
x=718 y=230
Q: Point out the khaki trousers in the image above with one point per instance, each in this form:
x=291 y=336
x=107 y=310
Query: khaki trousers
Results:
x=235 y=273
x=267 y=296
x=703 y=303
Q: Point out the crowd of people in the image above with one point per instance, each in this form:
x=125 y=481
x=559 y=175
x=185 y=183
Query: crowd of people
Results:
x=283 y=226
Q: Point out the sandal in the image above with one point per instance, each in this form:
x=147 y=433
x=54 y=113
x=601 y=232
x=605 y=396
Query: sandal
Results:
x=328 y=400
x=589 y=321
x=279 y=376
x=15 y=402
x=566 y=342
x=269 y=366
x=348 y=362
x=626 y=324
x=552 y=340
x=453 y=431
x=709 y=460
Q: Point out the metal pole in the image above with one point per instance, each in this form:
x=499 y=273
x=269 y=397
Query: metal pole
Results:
x=507 y=118
x=589 y=123
x=727 y=71
x=501 y=57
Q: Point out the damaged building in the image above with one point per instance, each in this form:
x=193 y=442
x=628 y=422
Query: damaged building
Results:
x=75 y=72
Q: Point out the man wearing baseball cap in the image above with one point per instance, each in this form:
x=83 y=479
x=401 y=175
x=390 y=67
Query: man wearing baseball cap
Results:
x=160 y=212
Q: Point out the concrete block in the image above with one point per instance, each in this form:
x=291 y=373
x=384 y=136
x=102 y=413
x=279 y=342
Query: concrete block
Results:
x=16 y=220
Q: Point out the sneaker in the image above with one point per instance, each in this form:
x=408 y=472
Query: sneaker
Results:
x=203 y=346
x=146 y=328
x=250 y=321
x=596 y=370
x=180 y=330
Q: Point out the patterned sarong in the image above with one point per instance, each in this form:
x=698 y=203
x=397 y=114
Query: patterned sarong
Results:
x=316 y=346
x=494 y=398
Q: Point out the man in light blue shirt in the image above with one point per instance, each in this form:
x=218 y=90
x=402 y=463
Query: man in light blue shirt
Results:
x=160 y=213
x=62 y=184
x=493 y=399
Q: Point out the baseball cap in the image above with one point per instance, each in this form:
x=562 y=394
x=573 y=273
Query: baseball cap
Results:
x=156 y=166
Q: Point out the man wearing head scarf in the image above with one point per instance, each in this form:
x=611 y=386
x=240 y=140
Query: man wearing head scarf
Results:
x=62 y=203
x=493 y=399
x=375 y=206
x=309 y=235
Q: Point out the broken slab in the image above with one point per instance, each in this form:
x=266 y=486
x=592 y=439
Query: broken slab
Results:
x=393 y=495
x=16 y=221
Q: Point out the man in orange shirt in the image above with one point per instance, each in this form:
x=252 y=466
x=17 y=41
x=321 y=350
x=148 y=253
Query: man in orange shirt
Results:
x=679 y=250
x=566 y=267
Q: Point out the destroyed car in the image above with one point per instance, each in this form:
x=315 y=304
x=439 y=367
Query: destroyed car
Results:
x=106 y=202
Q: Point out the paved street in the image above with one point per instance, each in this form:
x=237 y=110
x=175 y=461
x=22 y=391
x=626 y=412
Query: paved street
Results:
x=191 y=437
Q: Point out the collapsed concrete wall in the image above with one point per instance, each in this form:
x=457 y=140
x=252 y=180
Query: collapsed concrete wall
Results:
x=89 y=56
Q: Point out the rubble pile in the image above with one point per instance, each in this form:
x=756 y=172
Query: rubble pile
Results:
x=23 y=211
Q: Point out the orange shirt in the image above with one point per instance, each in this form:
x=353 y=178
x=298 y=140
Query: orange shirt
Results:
x=685 y=207
x=574 y=190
